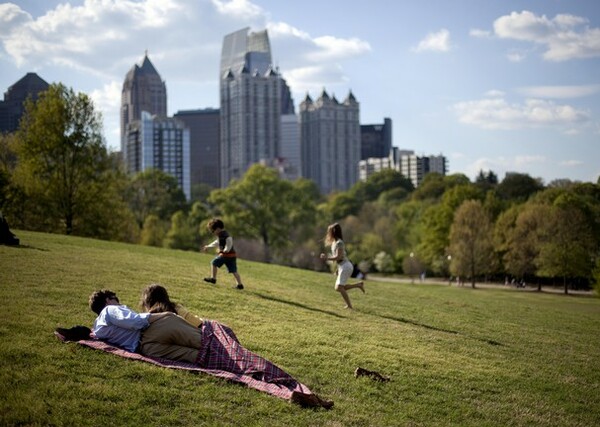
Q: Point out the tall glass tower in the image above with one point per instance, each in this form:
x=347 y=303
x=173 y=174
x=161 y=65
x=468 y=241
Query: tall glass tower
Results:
x=254 y=96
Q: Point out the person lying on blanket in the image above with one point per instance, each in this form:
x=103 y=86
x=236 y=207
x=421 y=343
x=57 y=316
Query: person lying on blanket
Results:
x=211 y=345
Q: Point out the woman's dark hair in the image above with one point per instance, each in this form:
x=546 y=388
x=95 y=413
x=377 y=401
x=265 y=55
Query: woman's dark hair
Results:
x=98 y=300
x=155 y=299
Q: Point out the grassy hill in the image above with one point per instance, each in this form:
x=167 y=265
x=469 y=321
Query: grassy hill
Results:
x=456 y=356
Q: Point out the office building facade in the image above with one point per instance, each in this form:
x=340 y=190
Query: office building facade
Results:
x=290 y=160
x=13 y=105
x=407 y=163
x=160 y=143
x=330 y=141
x=204 y=145
x=376 y=140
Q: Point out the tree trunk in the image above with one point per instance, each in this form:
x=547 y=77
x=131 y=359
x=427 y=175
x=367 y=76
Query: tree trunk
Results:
x=565 y=285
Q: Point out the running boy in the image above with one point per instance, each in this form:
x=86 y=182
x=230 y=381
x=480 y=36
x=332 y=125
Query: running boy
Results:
x=226 y=254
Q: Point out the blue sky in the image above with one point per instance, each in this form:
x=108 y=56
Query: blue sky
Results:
x=500 y=85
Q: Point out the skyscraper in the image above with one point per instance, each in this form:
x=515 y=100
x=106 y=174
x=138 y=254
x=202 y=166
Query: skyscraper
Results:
x=204 y=145
x=12 y=108
x=330 y=141
x=376 y=140
x=143 y=90
x=160 y=143
x=253 y=98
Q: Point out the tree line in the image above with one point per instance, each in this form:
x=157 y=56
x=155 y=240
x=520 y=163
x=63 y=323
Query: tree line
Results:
x=56 y=175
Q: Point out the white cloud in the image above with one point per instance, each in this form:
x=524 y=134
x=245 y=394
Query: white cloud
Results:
x=311 y=51
x=565 y=36
x=435 y=42
x=239 y=8
x=104 y=39
x=107 y=97
x=497 y=113
x=560 y=92
x=523 y=161
x=516 y=56
x=475 y=32
x=314 y=78
x=494 y=93
x=11 y=17
x=571 y=163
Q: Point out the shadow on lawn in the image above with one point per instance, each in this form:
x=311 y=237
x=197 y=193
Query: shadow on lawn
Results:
x=27 y=247
x=435 y=328
x=296 y=304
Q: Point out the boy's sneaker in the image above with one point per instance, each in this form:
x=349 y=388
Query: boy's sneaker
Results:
x=210 y=280
x=239 y=286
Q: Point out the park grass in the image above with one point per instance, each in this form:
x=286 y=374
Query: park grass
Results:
x=456 y=356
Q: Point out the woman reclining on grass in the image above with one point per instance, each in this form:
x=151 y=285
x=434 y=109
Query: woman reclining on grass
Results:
x=220 y=349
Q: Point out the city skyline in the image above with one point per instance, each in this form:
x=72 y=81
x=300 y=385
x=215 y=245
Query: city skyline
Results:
x=506 y=86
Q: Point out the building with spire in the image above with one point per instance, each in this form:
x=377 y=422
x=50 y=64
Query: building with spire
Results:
x=13 y=106
x=253 y=97
x=143 y=90
x=330 y=141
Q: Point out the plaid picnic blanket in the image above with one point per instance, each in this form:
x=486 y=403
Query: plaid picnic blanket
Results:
x=221 y=355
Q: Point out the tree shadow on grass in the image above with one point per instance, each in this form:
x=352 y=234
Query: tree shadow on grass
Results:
x=297 y=304
x=26 y=247
x=435 y=328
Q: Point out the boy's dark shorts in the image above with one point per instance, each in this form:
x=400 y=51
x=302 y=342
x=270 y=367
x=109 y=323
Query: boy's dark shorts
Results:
x=230 y=262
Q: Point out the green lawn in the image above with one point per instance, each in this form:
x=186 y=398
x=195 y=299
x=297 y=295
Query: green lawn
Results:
x=456 y=356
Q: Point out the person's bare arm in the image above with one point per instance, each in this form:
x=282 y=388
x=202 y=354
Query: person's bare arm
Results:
x=335 y=256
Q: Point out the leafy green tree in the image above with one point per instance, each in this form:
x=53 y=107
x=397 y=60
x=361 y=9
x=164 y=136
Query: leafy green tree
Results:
x=412 y=265
x=389 y=182
x=470 y=241
x=567 y=245
x=62 y=158
x=263 y=206
x=486 y=180
x=436 y=223
x=380 y=182
x=153 y=232
x=154 y=192
x=185 y=232
x=523 y=240
x=384 y=262
x=108 y=216
x=201 y=191
x=180 y=234
x=408 y=225
x=341 y=205
x=7 y=166
x=393 y=197
x=196 y=222
x=432 y=187
x=518 y=187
